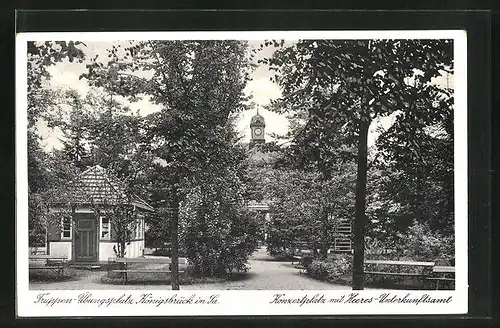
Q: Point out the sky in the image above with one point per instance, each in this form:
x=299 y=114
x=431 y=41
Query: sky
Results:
x=66 y=75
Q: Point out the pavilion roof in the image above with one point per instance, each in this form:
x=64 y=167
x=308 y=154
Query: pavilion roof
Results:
x=95 y=185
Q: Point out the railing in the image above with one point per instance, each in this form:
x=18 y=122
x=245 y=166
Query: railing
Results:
x=342 y=245
x=343 y=228
x=258 y=206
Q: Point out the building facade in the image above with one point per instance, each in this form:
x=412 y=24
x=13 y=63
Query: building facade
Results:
x=83 y=229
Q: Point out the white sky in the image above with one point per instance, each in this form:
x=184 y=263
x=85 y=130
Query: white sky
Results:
x=66 y=75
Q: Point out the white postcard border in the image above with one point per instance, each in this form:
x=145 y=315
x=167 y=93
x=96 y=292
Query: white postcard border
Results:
x=242 y=302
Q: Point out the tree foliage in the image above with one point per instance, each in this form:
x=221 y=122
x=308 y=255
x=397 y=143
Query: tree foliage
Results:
x=199 y=87
x=343 y=85
x=40 y=56
x=305 y=208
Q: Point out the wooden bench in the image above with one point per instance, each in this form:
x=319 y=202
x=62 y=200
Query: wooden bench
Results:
x=301 y=252
x=444 y=273
x=125 y=270
x=38 y=251
x=423 y=266
x=56 y=264
x=298 y=259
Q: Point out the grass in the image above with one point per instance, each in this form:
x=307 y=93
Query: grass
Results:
x=162 y=278
x=154 y=279
x=70 y=274
x=138 y=278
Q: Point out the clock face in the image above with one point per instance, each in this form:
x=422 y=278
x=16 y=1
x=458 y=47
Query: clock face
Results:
x=257 y=131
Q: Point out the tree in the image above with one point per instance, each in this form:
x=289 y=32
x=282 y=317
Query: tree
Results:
x=40 y=56
x=217 y=230
x=420 y=164
x=305 y=208
x=75 y=124
x=124 y=218
x=199 y=85
x=98 y=130
x=345 y=84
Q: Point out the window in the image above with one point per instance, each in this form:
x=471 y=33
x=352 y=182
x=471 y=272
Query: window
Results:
x=139 y=229
x=66 y=228
x=105 y=228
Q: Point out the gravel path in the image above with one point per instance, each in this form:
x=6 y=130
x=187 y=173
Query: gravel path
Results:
x=264 y=274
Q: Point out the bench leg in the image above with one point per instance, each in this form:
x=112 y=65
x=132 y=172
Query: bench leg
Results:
x=424 y=279
x=427 y=284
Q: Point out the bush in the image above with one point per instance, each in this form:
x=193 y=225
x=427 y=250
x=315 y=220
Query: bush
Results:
x=306 y=260
x=336 y=268
x=280 y=253
x=420 y=243
x=220 y=241
x=167 y=251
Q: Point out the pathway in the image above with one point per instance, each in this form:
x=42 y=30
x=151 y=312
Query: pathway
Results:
x=265 y=274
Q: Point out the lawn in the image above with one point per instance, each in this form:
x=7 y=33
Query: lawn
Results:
x=163 y=278
x=70 y=274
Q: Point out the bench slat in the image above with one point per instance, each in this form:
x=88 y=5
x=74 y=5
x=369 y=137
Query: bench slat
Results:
x=144 y=271
x=145 y=260
x=47 y=257
x=443 y=269
x=445 y=279
x=411 y=263
x=395 y=273
x=47 y=267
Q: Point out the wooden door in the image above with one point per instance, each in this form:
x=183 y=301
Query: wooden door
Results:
x=85 y=239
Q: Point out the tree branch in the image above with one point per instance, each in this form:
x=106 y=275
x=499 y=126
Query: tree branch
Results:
x=167 y=95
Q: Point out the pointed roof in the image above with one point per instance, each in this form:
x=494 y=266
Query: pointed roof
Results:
x=96 y=185
x=257 y=120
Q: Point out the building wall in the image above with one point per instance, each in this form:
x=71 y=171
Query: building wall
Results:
x=61 y=248
x=64 y=248
x=54 y=228
x=135 y=249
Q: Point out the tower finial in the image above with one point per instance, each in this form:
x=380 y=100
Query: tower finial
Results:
x=257 y=110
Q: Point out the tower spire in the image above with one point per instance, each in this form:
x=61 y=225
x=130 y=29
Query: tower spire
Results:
x=257 y=126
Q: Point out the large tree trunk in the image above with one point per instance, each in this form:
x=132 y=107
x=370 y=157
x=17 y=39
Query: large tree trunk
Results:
x=360 y=217
x=325 y=234
x=175 y=242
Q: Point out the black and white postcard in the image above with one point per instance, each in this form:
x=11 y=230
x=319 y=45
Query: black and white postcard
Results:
x=241 y=173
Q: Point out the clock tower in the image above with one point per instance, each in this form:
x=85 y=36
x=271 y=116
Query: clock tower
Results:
x=257 y=127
